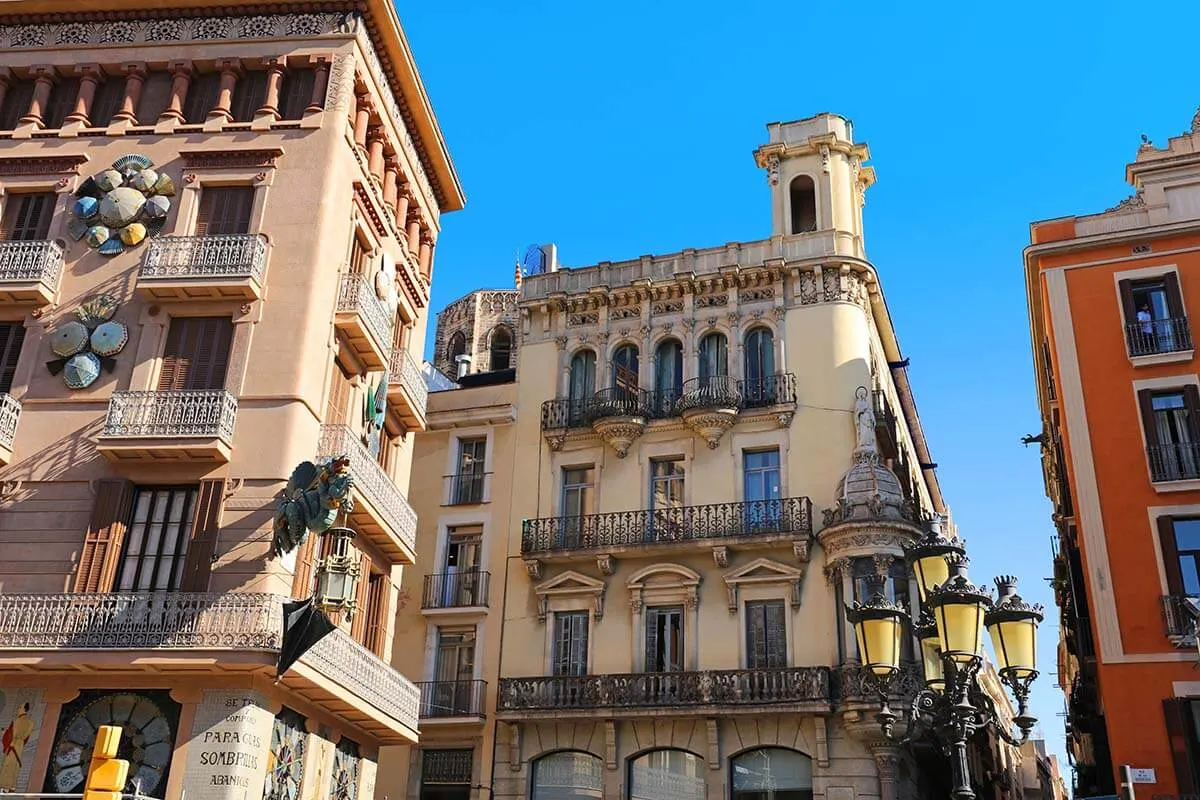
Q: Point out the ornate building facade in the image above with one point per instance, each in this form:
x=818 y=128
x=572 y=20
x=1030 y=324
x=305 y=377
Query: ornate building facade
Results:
x=703 y=457
x=477 y=333
x=1120 y=405
x=217 y=231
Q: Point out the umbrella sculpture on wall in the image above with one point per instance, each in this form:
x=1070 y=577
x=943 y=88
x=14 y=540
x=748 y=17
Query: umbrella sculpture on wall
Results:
x=86 y=345
x=121 y=206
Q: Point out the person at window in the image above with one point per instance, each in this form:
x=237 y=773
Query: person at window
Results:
x=1146 y=319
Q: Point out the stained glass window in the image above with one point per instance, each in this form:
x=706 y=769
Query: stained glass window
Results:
x=285 y=762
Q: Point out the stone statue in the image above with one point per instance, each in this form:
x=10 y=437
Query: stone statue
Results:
x=316 y=493
x=864 y=420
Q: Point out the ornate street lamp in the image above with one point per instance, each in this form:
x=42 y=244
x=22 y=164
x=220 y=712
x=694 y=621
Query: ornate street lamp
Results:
x=953 y=706
x=337 y=574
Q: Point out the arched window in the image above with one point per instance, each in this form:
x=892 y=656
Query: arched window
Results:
x=625 y=369
x=501 y=348
x=714 y=356
x=759 y=369
x=771 y=773
x=804 y=204
x=668 y=373
x=568 y=776
x=458 y=347
x=666 y=775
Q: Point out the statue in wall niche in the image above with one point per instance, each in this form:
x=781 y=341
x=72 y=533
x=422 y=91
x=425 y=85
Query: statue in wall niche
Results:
x=864 y=419
x=315 y=495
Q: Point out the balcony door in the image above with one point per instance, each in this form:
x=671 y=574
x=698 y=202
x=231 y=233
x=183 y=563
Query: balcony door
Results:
x=12 y=336
x=759 y=367
x=460 y=585
x=1171 y=420
x=1154 y=318
x=224 y=210
x=455 y=671
x=761 y=492
x=27 y=216
x=196 y=354
x=578 y=496
x=156 y=541
x=581 y=387
x=664 y=639
x=467 y=483
x=666 y=500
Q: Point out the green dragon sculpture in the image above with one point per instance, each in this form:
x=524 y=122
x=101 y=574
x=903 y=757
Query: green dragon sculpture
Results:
x=315 y=495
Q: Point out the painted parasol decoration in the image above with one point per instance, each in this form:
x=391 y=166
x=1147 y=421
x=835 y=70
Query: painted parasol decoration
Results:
x=86 y=345
x=121 y=206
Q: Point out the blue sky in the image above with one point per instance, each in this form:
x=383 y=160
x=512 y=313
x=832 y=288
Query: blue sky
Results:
x=621 y=128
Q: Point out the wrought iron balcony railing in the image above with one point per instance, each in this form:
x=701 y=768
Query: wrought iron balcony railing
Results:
x=450 y=699
x=467 y=488
x=1150 y=337
x=10 y=412
x=170 y=415
x=733 y=687
x=370 y=479
x=1174 y=462
x=196 y=621
x=357 y=296
x=664 y=525
x=37 y=261
x=720 y=391
x=1180 y=623
x=224 y=257
x=460 y=589
x=405 y=373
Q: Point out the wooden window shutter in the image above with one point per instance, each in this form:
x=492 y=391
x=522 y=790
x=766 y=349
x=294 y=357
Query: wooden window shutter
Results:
x=358 y=625
x=380 y=602
x=27 y=216
x=1146 y=409
x=1170 y=554
x=776 y=636
x=1191 y=399
x=339 y=395
x=248 y=95
x=196 y=354
x=224 y=210
x=1126 y=289
x=1174 y=296
x=62 y=102
x=201 y=97
x=303 y=576
x=296 y=92
x=652 y=661
x=12 y=336
x=205 y=531
x=104 y=537
x=1179 y=731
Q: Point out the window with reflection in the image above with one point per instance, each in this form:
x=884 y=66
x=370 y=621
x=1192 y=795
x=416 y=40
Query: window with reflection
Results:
x=759 y=370
x=668 y=373
x=568 y=776
x=714 y=356
x=771 y=773
x=582 y=384
x=625 y=369
x=666 y=775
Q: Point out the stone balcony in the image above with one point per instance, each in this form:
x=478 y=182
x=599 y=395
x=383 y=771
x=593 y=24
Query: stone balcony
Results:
x=10 y=414
x=169 y=426
x=649 y=694
x=652 y=533
x=407 y=391
x=365 y=321
x=166 y=632
x=204 y=268
x=381 y=511
x=30 y=271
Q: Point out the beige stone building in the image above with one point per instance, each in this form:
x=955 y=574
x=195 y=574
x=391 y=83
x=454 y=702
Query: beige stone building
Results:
x=634 y=556
x=216 y=245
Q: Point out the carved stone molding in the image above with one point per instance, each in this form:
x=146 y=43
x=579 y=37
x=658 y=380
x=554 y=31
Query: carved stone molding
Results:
x=41 y=165
x=610 y=744
x=710 y=424
x=841 y=539
x=534 y=568
x=714 y=743
x=721 y=556
x=570 y=584
x=619 y=432
x=606 y=564
x=822 y=735
x=231 y=159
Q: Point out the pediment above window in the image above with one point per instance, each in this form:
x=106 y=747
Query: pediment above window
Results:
x=764 y=571
x=570 y=584
x=664 y=583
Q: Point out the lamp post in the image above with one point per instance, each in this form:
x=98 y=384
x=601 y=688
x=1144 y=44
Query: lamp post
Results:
x=953 y=706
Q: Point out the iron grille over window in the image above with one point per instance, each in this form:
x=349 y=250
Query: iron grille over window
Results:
x=446 y=766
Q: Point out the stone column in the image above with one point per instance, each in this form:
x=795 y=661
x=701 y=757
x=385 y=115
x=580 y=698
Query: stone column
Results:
x=135 y=79
x=403 y=198
x=270 y=106
x=390 y=171
x=181 y=74
x=230 y=69
x=90 y=76
x=320 y=85
x=45 y=76
x=375 y=153
x=414 y=233
x=362 y=118
x=887 y=764
x=425 y=259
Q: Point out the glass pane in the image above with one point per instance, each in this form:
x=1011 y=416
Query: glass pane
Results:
x=1187 y=534
x=772 y=773
x=667 y=775
x=568 y=776
x=1163 y=402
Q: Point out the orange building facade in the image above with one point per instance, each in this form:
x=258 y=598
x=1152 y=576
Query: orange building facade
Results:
x=1109 y=301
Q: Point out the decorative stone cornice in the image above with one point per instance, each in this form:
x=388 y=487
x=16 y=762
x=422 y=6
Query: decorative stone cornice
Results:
x=41 y=165
x=262 y=158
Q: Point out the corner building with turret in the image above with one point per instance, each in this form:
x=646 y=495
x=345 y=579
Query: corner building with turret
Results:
x=217 y=235
x=635 y=556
